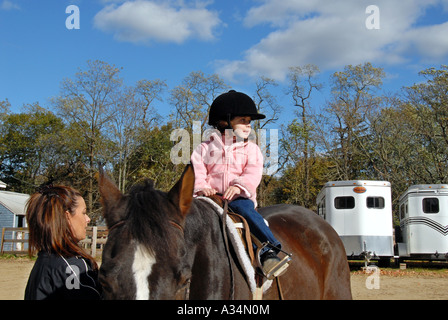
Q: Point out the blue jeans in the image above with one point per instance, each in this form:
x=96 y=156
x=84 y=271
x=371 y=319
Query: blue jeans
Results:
x=245 y=207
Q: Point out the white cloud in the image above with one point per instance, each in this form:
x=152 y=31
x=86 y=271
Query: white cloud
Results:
x=430 y=42
x=9 y=5
x=332 y=34
x=146 y=21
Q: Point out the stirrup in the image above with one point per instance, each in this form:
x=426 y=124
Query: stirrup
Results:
x=278 y=269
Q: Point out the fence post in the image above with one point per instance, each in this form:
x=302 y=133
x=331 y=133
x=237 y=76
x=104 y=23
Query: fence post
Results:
x=3 y=239
x=94 y=236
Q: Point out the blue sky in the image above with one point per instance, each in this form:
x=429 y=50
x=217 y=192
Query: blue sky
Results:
x=238 y=39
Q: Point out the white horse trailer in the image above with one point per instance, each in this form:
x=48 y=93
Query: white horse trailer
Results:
x=361 y=213
x=424 y=222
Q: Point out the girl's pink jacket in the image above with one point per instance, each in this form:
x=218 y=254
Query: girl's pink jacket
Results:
x=218 y=166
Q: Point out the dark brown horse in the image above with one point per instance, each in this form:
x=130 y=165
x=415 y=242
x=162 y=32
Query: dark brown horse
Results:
x=169 y=245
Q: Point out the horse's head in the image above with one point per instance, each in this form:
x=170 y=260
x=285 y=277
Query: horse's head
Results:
x=144 y=254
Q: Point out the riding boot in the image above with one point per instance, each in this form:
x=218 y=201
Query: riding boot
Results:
x=272 y=265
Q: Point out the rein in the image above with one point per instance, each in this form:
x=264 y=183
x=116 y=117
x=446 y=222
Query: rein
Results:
x=172 y=222
x=226 y=242
x=176 y=225
x=117 y=224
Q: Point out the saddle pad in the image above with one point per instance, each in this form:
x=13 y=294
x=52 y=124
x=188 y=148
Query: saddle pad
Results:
x=240 y=250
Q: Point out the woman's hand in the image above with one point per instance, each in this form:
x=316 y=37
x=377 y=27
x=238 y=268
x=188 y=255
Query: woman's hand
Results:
x=231 y=192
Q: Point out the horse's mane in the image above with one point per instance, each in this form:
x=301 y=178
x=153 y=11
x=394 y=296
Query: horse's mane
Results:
x=149 y=212
x=148 y=216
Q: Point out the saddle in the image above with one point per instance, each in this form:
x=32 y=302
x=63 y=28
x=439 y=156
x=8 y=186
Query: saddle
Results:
x=248 y=239
x=242 y=227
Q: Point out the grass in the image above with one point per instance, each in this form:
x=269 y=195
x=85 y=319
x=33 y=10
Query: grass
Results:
x=21 y=257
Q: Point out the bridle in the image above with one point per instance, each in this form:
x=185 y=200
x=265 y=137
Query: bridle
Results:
x=119 y=223
x=176 y=225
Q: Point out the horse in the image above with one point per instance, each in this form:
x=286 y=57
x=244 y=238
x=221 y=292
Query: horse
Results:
x=170 y=245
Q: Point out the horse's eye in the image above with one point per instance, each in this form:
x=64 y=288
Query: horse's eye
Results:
x=185 y=283
x=183 y=292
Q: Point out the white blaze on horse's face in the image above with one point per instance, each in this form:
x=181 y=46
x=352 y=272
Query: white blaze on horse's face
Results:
x=141 y=268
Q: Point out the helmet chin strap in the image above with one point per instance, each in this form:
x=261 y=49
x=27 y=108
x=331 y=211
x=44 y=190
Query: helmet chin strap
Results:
x=229 y=126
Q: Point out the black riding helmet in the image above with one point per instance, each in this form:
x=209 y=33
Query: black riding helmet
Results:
x=231 y=104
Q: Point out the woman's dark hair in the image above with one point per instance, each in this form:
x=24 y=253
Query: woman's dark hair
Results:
x=48 y=224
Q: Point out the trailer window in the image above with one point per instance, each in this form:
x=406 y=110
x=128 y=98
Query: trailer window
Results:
x=375 y=202
x=430 y=205
x=403 y=211
x=321 y=209
x=344 y=202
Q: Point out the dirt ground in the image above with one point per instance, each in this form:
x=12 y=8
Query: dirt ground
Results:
x=395 y=284
x=385 y=284
x=14 y=275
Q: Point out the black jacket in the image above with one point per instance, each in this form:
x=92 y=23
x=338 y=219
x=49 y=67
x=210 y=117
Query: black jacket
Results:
x=56 y=277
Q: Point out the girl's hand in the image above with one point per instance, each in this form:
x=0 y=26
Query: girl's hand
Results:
x=231 y=192
x=207 y=192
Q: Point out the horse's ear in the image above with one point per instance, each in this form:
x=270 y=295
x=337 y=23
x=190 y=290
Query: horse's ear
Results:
x=110 y=197
x=182 y=192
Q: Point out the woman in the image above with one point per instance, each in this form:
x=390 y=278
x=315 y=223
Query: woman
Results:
x=57 y=221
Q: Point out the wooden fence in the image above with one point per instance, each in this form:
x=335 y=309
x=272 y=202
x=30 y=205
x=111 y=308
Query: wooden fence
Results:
x=15 y=240
x=95 y=239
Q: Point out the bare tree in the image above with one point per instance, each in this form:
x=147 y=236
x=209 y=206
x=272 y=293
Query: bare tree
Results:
x=297 y=141
x=135 y=113
x=344 y=126
x=266 y=104
x=86 y=101
x=192 y=99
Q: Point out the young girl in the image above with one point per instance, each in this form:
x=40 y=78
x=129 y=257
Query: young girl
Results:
x=232 y=165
